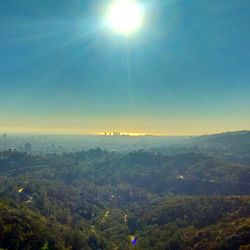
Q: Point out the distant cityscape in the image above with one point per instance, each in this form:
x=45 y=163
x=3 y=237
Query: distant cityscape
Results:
x=59 y=144
x=115 y=134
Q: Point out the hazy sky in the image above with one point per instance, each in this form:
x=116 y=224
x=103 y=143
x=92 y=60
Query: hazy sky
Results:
x=187 y=71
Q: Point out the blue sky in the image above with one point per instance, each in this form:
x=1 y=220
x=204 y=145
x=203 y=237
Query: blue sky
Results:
x=186 y=71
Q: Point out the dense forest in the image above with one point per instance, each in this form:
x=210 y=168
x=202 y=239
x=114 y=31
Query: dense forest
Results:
x=96 y=199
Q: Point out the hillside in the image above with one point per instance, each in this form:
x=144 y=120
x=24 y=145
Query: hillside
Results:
x=97 y=199
x=225 y=140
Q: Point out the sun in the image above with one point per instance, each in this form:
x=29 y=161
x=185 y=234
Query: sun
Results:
x=125 y=16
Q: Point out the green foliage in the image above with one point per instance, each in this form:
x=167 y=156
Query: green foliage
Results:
x=95 y=200
x=45 y=246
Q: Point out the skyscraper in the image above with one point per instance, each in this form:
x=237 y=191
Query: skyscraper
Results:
x=27 y=148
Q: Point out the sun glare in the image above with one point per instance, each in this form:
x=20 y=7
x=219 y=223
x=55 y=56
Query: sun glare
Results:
x=125 y=16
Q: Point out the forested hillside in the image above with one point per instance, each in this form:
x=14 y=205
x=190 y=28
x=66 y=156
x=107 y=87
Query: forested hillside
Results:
x=97 y=199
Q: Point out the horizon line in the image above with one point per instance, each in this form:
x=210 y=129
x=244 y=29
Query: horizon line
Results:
x=121 y=134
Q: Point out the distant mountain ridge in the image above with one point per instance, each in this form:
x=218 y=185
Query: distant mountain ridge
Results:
x=227 y=139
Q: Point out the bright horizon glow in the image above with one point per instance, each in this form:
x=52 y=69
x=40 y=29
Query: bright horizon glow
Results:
x=74 y=131
x=125 y=16
x=132 y=134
